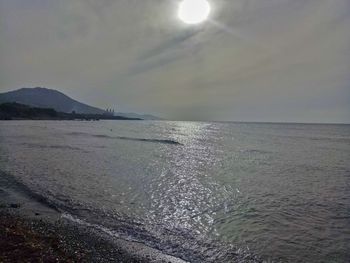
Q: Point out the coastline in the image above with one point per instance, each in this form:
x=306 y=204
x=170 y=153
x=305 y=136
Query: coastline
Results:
x=16 y=111
x=34 y=232
x=43 y=232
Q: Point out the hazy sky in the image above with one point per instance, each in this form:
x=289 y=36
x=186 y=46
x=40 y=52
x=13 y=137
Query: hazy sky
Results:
x=256 y=60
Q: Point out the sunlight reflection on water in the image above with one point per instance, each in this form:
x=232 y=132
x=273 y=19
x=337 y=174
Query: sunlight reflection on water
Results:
x=269 y=187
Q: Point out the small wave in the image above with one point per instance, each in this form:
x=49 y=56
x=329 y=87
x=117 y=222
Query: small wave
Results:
x=43 y=146
x=144 y=250
x=78 y=133
x=254 y=151
x=165 y=141
x=102 y=136
x=150 y=140
x=15 y=184
x=191 y=250
x=78 y=221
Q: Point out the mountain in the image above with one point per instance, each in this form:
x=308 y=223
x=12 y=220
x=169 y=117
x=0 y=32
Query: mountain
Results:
x=49 y=98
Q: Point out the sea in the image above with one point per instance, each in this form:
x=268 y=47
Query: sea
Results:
x=200 y=191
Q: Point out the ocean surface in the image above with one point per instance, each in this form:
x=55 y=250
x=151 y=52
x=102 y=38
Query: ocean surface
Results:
x=204 y=192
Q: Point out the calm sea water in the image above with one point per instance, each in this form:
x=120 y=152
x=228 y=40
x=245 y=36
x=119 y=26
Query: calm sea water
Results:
x=212 y=192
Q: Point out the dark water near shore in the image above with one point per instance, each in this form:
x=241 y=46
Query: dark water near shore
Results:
x=204 y=191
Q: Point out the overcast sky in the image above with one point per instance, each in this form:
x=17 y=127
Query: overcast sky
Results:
x=255 y=60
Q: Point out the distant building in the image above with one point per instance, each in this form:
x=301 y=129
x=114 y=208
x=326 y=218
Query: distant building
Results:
x=109 y=112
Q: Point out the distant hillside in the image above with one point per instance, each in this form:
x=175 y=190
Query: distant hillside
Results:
x=13 y=110
x=47 y=98
x=17 y=111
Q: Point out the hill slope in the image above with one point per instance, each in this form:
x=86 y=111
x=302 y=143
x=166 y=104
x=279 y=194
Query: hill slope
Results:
x=16 y=111
x=47 y=98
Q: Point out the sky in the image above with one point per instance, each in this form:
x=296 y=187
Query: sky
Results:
x=253 y=60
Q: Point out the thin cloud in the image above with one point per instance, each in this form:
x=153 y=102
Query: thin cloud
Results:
x=268 y=60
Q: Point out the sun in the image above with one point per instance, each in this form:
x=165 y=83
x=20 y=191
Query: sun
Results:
x=194 y=11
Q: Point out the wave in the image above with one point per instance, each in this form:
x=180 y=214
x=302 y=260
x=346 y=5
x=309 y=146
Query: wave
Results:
x=8 y=181
x=150 y=140
x=165 y=141
x=180 y=244
x=138 y=139
x=254 y=151
x=44 y=146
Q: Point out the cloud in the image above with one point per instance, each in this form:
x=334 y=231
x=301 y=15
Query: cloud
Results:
x=262 y=60
x=163 y=54
x=174 y=42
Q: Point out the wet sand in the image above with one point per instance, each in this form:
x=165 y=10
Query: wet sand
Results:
x=36 y=240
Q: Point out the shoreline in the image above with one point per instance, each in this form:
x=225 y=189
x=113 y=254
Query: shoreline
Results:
x=38 y=240
x=41 y=225
x=34 y=232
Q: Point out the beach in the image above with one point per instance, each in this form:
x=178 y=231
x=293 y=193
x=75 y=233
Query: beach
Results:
x=33 y=232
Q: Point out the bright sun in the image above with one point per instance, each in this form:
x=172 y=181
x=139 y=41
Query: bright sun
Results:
x=194 y=11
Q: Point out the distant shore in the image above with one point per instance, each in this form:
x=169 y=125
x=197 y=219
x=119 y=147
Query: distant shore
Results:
x=17 y=111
